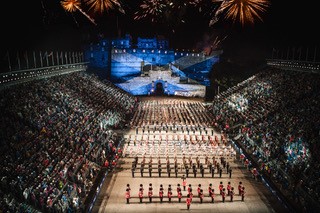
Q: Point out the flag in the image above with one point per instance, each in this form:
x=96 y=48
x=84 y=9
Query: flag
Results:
x=7 y=56
x=45 y=55
x=299 y=52
x=18 y=60
x=26 y=58
x=273 y=51
x=293 y=51
x=61 y=57
x=34 y=59
x=41 y=63
x=66 y=56
x=57 y=55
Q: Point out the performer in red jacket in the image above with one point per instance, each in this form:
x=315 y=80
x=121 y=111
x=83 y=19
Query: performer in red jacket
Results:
x=188 y=201
x=201 y=195
x=140 y=195
x=212 y=195
x=240 y=187
x=223 y=194
x=127 y=195
x=221 y=187
x=210 y=189
x=229 y=188
x=179 y=195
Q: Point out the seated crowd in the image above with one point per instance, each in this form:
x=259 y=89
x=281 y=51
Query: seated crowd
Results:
x=56 y=136
x=274 y=116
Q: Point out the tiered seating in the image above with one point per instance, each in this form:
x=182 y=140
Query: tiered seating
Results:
x=56 y=135
x=276 y=113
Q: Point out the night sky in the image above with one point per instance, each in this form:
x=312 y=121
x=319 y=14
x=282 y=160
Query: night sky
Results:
x=42 y=25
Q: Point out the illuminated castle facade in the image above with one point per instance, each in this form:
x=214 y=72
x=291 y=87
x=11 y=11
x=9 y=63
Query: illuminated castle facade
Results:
x=150 y=65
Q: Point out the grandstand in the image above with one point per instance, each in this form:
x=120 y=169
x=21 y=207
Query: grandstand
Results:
x=71 y=142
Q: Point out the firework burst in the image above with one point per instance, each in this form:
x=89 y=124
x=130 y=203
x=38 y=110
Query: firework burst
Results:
x=151 y=8
x=217 y=42
x=74 y=5
x=164 y=10
x=244 y=11
x=179 y=4
x=101 y=6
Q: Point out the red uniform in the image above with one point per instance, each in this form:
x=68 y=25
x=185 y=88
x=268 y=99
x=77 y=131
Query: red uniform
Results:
x=179 y=196
x=229 y=188
x=184 y=184
x=212 y=196
x=140 y=196
x=150 y=193
x=127 y=195
x=201 y=197
x=223 y=195
x=188 y=201
x=191 y=196
x=189 y=189
x=199 y=189
x=169 y=195
x=220 y=188
x=178 y=189
x=240 y=188
x=209 y=190
x=161 y=195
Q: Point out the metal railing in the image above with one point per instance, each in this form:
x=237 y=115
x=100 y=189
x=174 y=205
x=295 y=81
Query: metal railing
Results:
x=21 y=76
x=301 y=66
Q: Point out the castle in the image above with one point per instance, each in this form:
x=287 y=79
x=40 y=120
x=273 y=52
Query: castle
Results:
x=149 y=66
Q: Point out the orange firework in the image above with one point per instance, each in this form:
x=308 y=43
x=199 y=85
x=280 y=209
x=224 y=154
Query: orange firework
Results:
x=244 y=11
x=154 y=9
x=104 y=5
x=72 y=6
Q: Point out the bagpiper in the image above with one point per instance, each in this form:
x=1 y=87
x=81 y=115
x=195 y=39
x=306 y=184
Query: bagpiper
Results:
x=188 y=201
